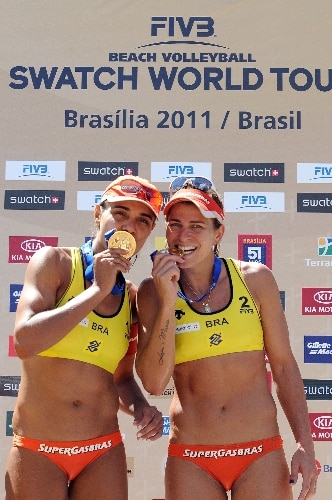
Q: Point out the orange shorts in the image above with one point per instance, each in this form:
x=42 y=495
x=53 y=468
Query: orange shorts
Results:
x=71 y=456
x=225 y=463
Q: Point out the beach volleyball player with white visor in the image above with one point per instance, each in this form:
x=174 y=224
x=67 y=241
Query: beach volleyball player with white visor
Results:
x=209 y=321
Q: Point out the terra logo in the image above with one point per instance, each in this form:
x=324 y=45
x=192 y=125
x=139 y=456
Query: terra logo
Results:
x=200 y=26
x=324 y=245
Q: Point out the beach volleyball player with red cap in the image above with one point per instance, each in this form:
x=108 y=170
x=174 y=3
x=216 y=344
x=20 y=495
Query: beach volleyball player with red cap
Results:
x=217 y=319
x=76 y=332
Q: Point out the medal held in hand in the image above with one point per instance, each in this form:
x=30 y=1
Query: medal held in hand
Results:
x=124 y=240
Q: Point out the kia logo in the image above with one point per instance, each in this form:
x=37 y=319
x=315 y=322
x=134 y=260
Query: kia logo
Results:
x=32 y=245
x=323 y=422
x=323 y=297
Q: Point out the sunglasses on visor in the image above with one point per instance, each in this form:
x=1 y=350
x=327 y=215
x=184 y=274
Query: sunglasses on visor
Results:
x=200 y=183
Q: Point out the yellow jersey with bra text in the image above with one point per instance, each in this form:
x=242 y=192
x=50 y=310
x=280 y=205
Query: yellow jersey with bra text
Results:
x=99 y=340
x=235 y=328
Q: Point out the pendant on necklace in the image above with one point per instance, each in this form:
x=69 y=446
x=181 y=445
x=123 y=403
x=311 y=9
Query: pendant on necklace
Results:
x=207 y=308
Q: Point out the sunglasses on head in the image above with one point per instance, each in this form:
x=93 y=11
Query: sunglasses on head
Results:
x=200 y=183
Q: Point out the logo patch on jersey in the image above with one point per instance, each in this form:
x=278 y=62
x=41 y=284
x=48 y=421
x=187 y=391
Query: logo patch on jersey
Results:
x=93 y=346
x=215 y=339
x=179 y=313
x=245 y=306
x=188 y=327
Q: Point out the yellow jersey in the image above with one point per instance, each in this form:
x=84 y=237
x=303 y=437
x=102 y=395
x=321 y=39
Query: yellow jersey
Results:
x=99 y=340
x=235 y=328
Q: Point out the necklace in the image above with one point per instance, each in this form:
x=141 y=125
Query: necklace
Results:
x=216 y=273
x=206 y=305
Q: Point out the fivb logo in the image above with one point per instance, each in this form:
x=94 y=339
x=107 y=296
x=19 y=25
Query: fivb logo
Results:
x=87 y=200
x=323 y=172
x=254 y=202
x=314 y=173
x=251 y=200
x=32 y=169
x=180 y=171
x=200 y=26
x=163 y=171
x=36 y=170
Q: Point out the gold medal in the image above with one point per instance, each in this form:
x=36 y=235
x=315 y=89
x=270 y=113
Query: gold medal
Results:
x=176 y=251
x=124 y=240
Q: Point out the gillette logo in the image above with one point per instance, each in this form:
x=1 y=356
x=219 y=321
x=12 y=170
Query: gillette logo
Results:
x=318 y=349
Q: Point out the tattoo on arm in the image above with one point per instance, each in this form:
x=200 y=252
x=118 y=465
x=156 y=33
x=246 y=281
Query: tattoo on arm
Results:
x=161 y=356
x=162 y=337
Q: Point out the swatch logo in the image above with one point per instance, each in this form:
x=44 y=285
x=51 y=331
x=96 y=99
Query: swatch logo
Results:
x=9 y=385
x=105 y=171
x=34 y=200
x=318 y=389
x=254 y=172
x=314 y=202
